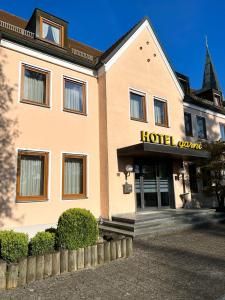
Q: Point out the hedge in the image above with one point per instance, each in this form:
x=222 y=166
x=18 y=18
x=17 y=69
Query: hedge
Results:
x=13 y=245
x=77 y=228
x=42 y=243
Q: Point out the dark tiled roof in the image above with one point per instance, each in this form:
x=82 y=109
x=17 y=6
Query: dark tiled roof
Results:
x=47 y=47
x=193 y=99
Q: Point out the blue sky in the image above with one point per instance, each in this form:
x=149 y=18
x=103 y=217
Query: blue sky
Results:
x=180 y=24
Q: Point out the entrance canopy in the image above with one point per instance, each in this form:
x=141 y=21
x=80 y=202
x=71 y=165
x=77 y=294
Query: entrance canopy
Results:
x=148 y=149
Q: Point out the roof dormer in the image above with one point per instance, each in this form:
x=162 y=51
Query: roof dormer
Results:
x=48 y=28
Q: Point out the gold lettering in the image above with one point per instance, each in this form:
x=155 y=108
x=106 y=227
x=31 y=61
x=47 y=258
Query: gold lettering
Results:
x=154 y=138
x=172 y=143
x=161 y=138
x=145 y=136
x=167 y=140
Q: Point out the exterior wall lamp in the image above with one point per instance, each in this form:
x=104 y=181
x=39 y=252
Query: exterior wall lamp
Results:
x=127 y=188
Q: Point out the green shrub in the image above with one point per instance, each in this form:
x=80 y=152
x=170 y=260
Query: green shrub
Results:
x=13 y=245
x=77 y=228
x=42 y=243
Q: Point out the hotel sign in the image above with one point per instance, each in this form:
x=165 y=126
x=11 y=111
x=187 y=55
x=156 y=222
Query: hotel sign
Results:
x=163 y=139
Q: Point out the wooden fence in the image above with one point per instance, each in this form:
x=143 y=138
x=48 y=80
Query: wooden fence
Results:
x=35 y=268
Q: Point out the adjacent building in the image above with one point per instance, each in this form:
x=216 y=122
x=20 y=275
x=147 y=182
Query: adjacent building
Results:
x=113 y=132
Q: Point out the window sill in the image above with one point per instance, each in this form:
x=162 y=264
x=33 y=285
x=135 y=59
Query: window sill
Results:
x=30 y=200
x=139 y=120
x=74 y=198
x=34 y=103
x=51 y=43
x=75 y=112
x=162 y=125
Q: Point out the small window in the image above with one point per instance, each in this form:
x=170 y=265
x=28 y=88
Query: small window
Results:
x=32 y=175
x=222 y=132
x=34 y=86
x=137 y=107
x=217 y=100
x=51 y=32
x=188 y=124
x=161 y=116
x=201 y=128
x=74 y=176
x=74 y=96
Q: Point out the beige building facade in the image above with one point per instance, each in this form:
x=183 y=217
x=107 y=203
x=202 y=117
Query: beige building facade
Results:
x=98 y=130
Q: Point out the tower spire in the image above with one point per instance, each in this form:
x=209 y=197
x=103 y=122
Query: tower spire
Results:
x=210 y=79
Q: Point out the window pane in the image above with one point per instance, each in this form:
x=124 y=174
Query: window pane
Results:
x=136 y=107
x=160 y=117
x=51 y=33
x=188 y=124
x=73 y=96
x=73 y=176
x=222 y=132
x=201 y=127
x=34 y=86
x=31 y=175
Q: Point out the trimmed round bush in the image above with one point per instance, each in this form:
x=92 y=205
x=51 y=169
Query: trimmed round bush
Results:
x=42 y=243
x=77 y=228
x=13 y=245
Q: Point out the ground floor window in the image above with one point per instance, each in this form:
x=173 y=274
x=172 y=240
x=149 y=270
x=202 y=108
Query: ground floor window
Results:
x=32 y=175
x=193 y=178
x=74 y=176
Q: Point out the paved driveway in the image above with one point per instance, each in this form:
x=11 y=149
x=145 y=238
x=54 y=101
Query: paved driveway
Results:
x=188 y=265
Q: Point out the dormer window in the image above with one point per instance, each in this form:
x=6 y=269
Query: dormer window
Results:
x=217 y=100
x=51 y=32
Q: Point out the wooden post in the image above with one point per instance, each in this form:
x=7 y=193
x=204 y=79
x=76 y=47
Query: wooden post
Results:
x=63 y=261
x=87 y=257
x=94 y=256
x=107 y=252
x=40 y=267
x=22 y=276
x=80 y=258
x=113 y=250
x=129 y=245
x=100 y=254
x=118 y=249
x=123 y=248
x=55 y=263
x=2 y=274
x=31 y=269
x=72 y=260
x=12 y=276
x=48 y=265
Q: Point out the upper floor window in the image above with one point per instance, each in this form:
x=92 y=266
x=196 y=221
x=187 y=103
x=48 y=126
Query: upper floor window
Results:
x=137 y=106
x=188 y=124
x=161 y=115
x=51 y=31
x=201 y=128
x=74 y=96
x=34 y=86
x=32 y=175
x=222 y=132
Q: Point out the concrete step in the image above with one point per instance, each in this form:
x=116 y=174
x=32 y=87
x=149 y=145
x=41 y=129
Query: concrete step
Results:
x=167 y=223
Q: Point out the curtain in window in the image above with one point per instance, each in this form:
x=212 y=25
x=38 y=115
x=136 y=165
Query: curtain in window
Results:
x=50 y=33
x=34 y=86
x=159 y=112
x=222 y=132
x=73 y=96
x=31 y=175
x=201 y=128
x=73 y=176
x=136 y=106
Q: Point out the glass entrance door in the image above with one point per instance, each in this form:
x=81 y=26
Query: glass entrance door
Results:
x=152 y=185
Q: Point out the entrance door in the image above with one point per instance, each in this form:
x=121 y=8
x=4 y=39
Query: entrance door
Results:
x=152 y=185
